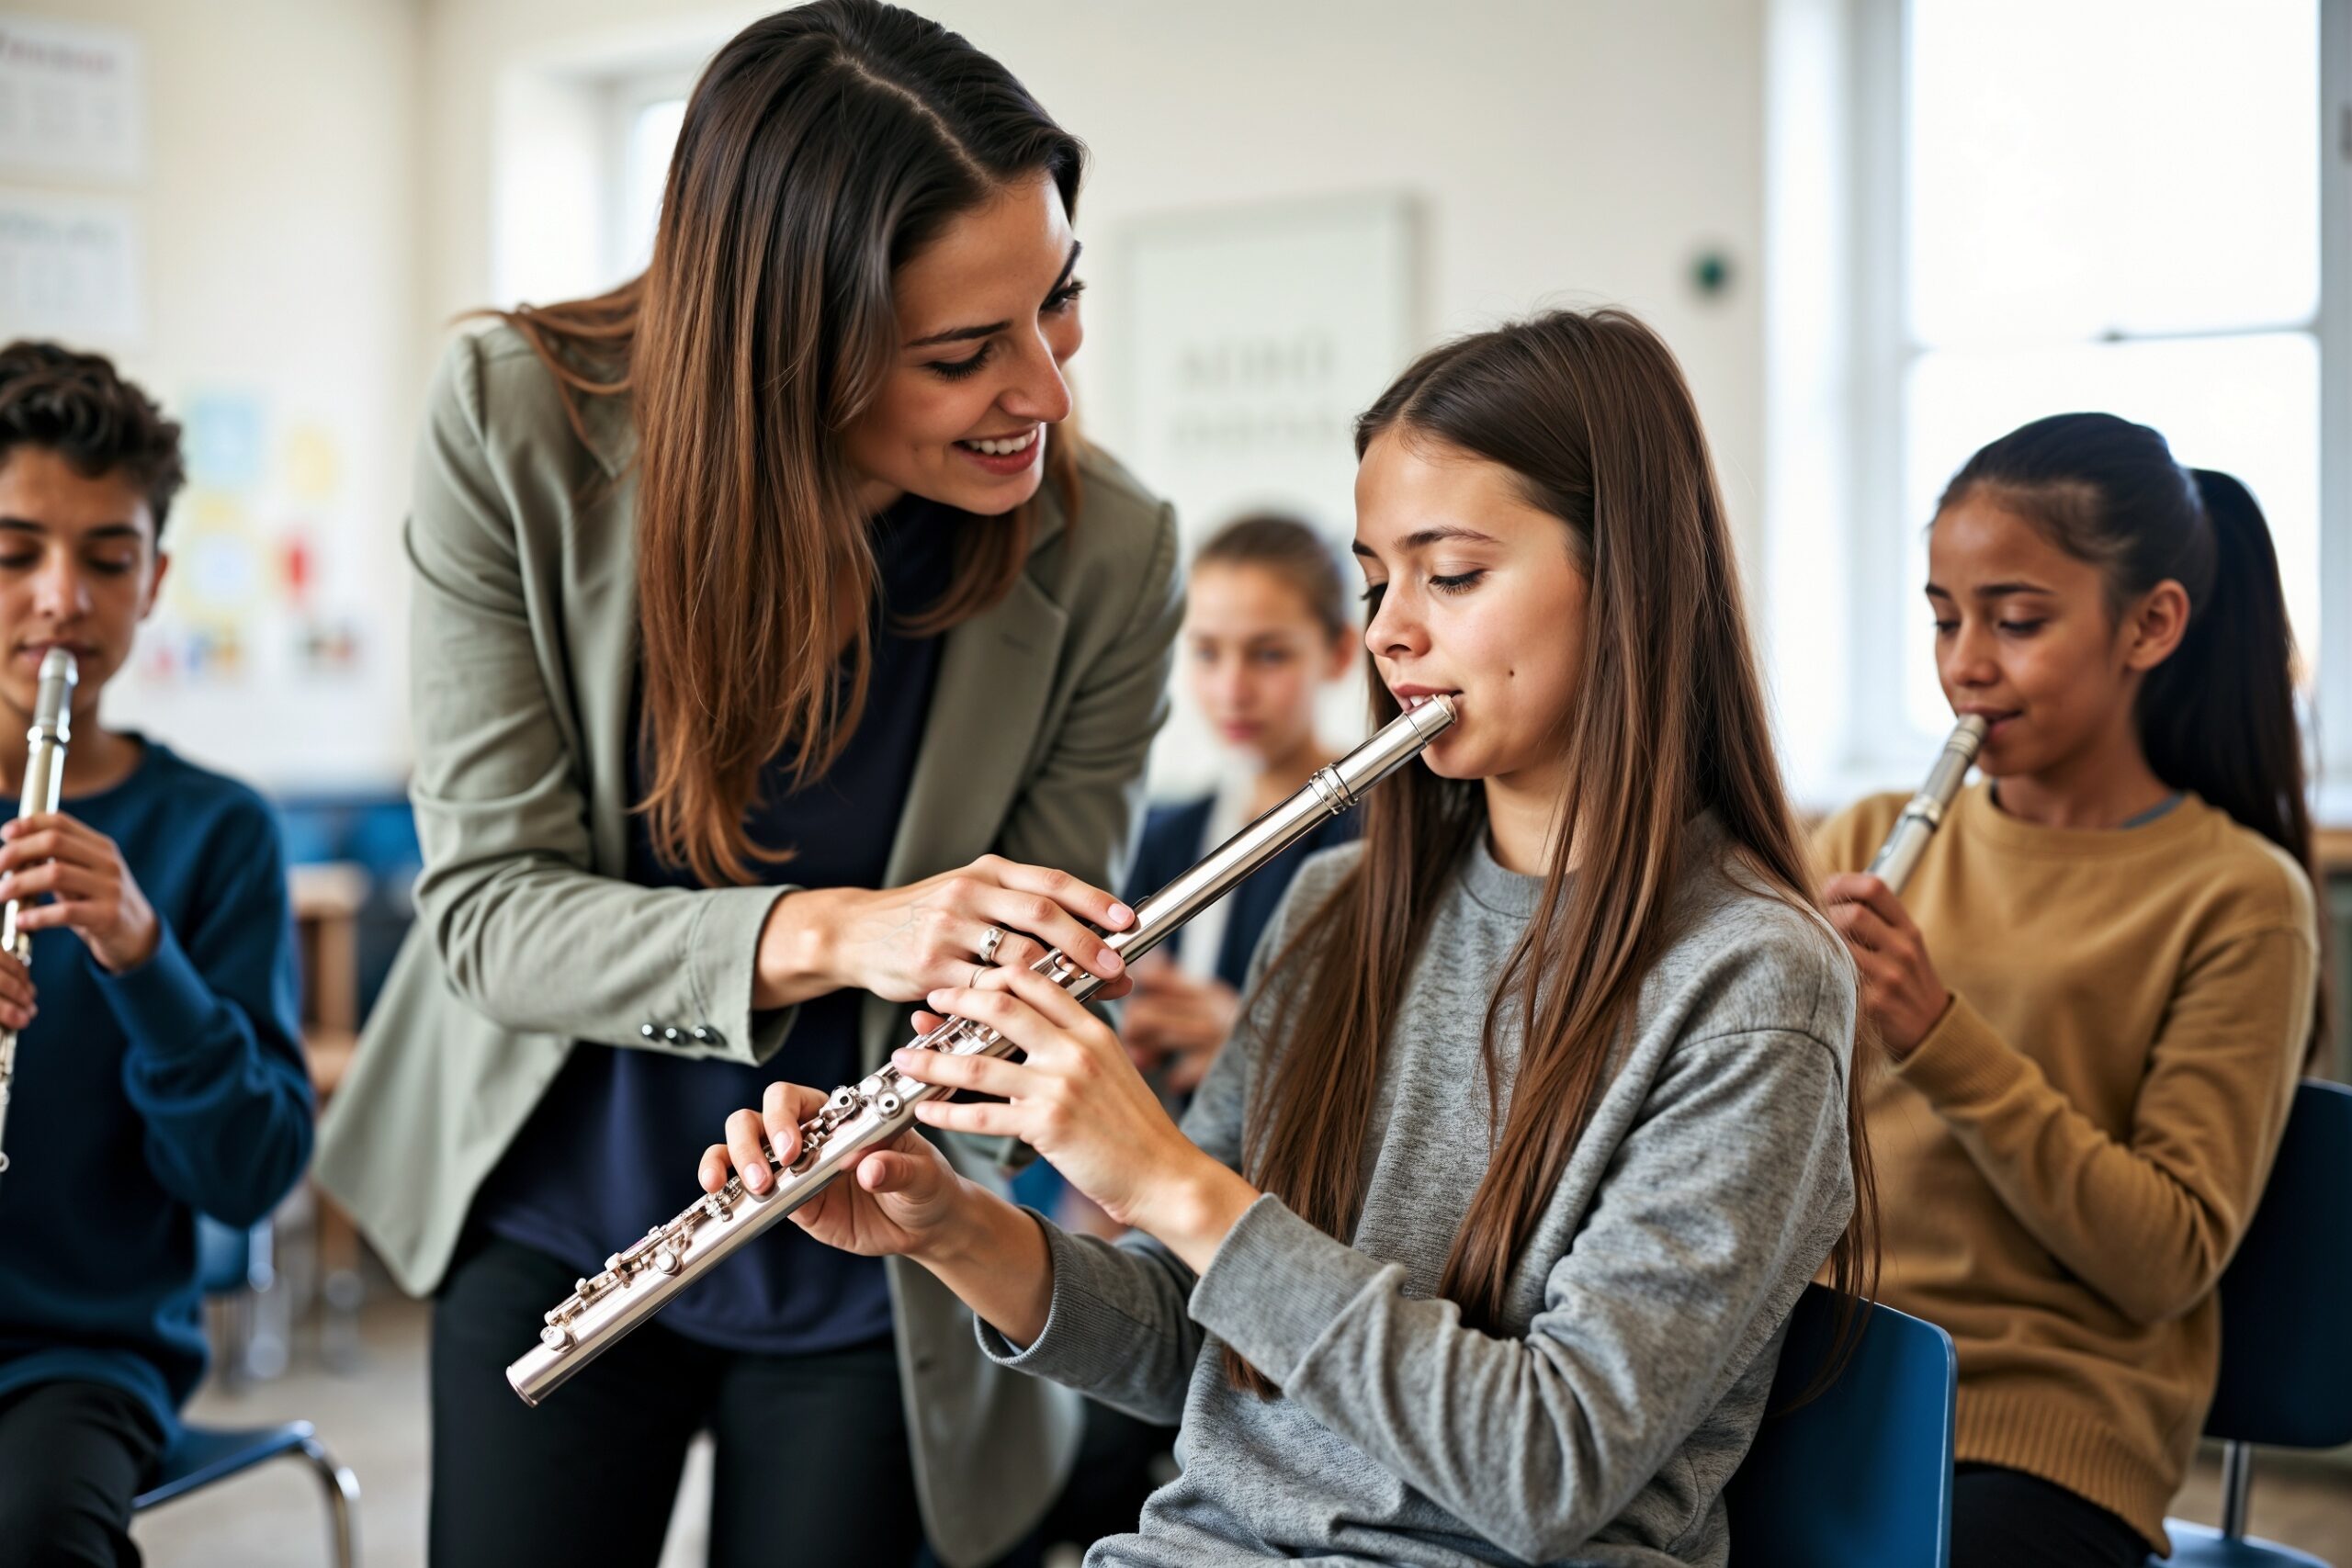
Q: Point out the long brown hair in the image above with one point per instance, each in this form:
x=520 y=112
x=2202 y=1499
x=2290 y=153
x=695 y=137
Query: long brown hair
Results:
x=824 y=147
x=1590 y=412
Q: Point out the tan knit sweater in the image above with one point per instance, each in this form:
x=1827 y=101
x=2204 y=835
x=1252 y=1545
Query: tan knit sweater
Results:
x=2067 y=1160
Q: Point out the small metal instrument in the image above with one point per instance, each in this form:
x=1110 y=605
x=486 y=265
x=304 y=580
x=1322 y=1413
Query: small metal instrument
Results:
x=45 y=743
x=858 y=1117
x=1899 y=856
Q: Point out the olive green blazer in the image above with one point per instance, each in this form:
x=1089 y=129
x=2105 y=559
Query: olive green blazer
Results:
x=529 y=941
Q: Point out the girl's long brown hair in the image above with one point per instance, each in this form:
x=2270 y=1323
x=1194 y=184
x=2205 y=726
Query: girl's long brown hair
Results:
x=1592 y=413
x=822 y=148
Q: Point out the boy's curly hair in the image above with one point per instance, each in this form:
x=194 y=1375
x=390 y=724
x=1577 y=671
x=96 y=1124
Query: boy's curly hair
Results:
x=77 y=406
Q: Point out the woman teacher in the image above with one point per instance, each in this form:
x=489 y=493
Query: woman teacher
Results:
x=779 y=655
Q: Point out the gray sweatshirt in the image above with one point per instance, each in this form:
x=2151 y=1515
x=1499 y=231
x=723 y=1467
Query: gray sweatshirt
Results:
x=1645 y=1314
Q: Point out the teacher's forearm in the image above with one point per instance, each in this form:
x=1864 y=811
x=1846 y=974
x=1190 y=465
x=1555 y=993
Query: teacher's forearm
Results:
x=796 y=957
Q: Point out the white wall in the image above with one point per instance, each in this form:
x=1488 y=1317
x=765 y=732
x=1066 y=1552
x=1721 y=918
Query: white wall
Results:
x=1576 y=151
x=1564 y=152
x=321 y=198
x=278 y=207
x=1582 y=152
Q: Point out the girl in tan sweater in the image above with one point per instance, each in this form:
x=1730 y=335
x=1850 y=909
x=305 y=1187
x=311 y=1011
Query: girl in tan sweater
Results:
x=2094 y=996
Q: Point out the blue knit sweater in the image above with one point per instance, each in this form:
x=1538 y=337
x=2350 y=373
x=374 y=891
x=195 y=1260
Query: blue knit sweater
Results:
x=146 y=1097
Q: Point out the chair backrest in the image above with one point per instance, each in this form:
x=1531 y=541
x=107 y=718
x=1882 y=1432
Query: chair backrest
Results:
x=229 y=1260
x=1860 y=1476
x=2286 y=1357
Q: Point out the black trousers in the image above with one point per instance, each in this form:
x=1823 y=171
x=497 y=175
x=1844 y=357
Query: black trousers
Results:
x=813 y=1467
x=2005 y=1519
x=72 y=1457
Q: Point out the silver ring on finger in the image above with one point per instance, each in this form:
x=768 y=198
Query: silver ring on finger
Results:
x=975 y=975
x=989 y=944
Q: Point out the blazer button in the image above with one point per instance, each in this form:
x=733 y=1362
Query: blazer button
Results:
x=646 y=1030
x=672 y=1036
x=706 y=1035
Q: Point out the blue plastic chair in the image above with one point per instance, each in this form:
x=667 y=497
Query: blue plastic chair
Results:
x=1860 y=1475
x=2286 y=1361
x=199 y=1456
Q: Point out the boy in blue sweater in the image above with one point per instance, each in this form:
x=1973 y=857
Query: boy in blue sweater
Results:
x=159 y=1075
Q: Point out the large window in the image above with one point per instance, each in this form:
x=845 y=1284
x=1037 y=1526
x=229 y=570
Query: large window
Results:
x=2101 y=203
x=583 y=150
x=644 y=116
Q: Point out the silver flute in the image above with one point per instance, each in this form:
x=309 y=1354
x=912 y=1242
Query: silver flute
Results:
x=858 y=1117
x=1899 y=856
x=44 y=776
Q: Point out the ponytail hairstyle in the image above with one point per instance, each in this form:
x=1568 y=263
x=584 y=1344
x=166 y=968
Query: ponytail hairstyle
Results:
x=823 y=148
x=1591 y=414
x=2218 y=717
x=1295 y=555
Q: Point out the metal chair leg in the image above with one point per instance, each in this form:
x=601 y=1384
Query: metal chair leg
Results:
x=2237 y=1487
x=342 y=1490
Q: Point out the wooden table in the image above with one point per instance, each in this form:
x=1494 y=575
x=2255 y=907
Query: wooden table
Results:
x=327 y=898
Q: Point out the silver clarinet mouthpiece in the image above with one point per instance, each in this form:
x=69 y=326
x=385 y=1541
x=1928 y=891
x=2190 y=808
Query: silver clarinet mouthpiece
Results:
x=635 y=1283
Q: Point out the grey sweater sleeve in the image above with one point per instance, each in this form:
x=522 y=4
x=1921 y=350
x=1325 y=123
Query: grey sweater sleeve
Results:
x=1117 y=1327
x=1715 y=1202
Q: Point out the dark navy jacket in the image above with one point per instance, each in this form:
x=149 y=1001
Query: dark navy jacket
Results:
x=1173 y=840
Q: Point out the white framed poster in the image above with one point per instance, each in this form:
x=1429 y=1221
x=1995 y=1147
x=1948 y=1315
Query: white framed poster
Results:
x=1253 y=337
x=73 y=99
x=69 y=269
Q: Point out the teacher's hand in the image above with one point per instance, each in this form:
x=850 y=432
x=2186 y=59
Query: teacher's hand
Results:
x=901 y=943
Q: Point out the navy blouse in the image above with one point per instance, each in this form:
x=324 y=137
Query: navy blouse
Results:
x=609 y=1152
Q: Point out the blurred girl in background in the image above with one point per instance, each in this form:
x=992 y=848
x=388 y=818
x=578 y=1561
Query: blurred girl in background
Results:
x=1267 y=627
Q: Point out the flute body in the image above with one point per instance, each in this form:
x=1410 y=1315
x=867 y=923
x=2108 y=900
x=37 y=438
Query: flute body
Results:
x=856 y=1118
x=45 y=743
x=1899 y=856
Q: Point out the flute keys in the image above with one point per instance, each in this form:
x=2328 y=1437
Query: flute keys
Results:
x=555 y=1336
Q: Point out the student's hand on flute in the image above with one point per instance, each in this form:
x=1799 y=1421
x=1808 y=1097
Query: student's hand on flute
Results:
x=900 y=1199
x=93 y=893
x=900 y=942
x=16 y=995
x=1078 y=1100
x=1902 y=993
